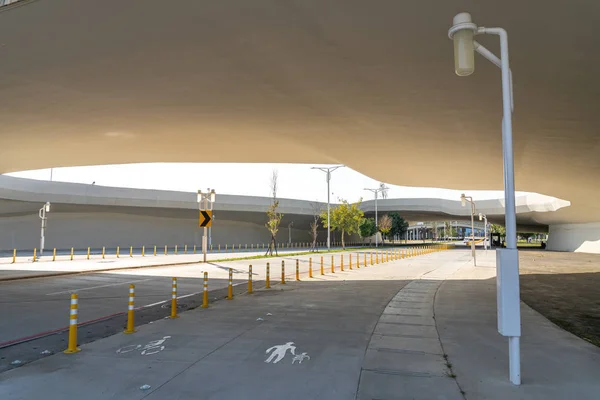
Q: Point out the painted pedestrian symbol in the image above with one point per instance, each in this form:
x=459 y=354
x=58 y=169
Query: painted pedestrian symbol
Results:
x=279 y=352
x=300 y=358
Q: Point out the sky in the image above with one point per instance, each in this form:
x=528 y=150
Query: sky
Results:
x=296 y=181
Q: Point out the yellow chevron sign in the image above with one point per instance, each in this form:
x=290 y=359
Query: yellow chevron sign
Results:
x=205 y=219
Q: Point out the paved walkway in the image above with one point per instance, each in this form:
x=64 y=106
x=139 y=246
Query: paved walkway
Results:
x=366 y=334
x=46 y=267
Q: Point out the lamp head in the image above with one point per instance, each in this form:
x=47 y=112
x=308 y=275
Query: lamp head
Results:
x=462 y=33
x=463 y=200
x=47 y=206
x=213 y=196
x=480 y=216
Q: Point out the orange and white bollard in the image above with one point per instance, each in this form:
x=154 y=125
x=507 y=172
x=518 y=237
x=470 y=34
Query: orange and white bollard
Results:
x=174 y=298
x=268 y=282
x=130 y=311
x=73 y=313
x=230 y=285
x=205 y=295
x=250 y=291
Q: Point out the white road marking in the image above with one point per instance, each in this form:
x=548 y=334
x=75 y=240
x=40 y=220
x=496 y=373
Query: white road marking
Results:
x=96 y=287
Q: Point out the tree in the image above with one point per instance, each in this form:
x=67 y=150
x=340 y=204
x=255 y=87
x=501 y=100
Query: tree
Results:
x=434 y=229
x=450 y=230
x=399 y=225
x=273 y=217
x=385 y=225
x=345 y=218
x=498 y=229
x=314 y=226
x=367 y=228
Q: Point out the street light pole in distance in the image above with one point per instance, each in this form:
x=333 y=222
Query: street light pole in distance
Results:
x=376 y=192
x=328 y=171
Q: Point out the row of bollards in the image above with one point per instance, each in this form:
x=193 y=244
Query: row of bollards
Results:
x=375 y=257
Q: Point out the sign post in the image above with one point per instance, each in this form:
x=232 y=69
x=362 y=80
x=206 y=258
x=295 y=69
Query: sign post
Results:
x=205 y=217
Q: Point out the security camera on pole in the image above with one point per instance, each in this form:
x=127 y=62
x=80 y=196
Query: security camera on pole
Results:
x=205 y=218
x=463 y=34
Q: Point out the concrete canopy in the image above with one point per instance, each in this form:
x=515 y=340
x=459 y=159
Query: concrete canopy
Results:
x=367 y=84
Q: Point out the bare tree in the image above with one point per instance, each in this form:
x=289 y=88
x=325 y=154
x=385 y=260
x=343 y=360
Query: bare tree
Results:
x=273 y=217
x=314 y=225
x=385 y=225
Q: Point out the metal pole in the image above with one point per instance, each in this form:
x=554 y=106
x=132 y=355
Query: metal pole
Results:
x=376 y=221
x=328 y=212
x=43 y=228
x=205 y=237
x=473 y=233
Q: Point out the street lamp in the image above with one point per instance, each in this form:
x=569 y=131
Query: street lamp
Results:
x=485 y=225
x=208 y=197
x=463 y=201
x=328 y=171
x=382 y=188
x=290 y=231
x=507 y=260
x=42 y=214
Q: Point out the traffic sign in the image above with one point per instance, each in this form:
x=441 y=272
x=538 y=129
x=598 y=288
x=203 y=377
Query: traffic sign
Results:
x=205 y=219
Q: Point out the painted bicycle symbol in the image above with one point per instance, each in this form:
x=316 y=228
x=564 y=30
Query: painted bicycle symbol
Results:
x=153 y=347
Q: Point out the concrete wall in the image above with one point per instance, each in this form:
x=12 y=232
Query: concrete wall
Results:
x=80 y=230
x=575 y=237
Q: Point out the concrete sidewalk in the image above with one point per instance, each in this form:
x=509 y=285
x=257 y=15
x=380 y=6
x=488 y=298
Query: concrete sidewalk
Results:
x=47 y=268
x=372 y=333
x=221 y=352
x=554 y=363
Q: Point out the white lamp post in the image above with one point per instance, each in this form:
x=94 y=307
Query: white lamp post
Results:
x=485 y=224
x=208 y=197
x=376 y=193
x=463 y=201
x=42 y=214
x=328 y=171
x=507 y=260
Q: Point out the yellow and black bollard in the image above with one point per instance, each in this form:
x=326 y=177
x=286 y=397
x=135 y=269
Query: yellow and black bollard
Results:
x=118 y=248
x=54 y=254
x=297 y=269
x=350 y=261
x=88 y=253
x=176 y=249
x=268 y=283
x=205 y=294
x=322 y=268
x=14 y=260
x=73 y=313
x=166 y=250
x=282 y=272
x=72 y=253
x=103 y=252
x=310 y=275
x=185 y=249
x=332 y=265
x=371 y=258
x=230 y=285
x=130 y=311
x=143 y=251
x=195 y=248
x=365 y=260
x=341 y=262
x=174 y=298
x=154 y=251
x=130 y=251
x=250 y=291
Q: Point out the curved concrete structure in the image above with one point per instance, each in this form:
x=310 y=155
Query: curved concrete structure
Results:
x=367 y=84
x=90 y=215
